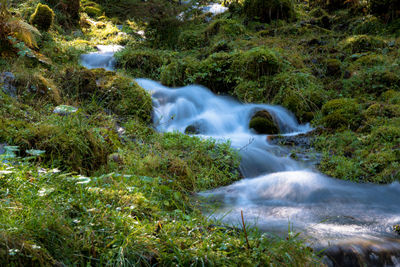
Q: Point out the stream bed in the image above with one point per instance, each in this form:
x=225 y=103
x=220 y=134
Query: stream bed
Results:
x=352 y=223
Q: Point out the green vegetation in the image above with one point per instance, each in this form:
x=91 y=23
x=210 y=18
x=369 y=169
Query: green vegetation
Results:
x=334 y=64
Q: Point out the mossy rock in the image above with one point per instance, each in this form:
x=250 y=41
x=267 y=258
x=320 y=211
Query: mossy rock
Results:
x=391 y=97
x=268 y=10
x=256 y=62
x=215 y=72
x=263 y=123
x=341 y=113
x=93 y=11
x=126 y=98
x=362 y=43
x=43 y=17
x=70 y=8
x=143 y=63
x=373 y=80
x=224 y=27
x=382 y=110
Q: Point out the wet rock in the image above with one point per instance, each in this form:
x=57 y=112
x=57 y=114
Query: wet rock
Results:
x=195 y=128
x=363 y=254
x=7 y=80
x=300 y=140
x=263 y=123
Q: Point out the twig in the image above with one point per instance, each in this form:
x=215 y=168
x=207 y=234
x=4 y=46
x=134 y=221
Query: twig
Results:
x=245 y=232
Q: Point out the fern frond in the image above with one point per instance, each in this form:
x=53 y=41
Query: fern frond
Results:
x=23 y=31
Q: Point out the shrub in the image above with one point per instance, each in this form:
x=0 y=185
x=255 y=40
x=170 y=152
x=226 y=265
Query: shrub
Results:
x=268 y=10
x=43 y=17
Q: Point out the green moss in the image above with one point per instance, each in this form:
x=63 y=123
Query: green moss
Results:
x=93 y=11
x=215 y=72
x=268 y=10
x=373 y=80
x=341 y=114
x=299 y=92
x=254 y=91
x=256 y=62
x=126 y=98
x=224 y=27
x=191 y=39
x=263 y=123
x=173 y=74
x=143 y=63
x=362 y=43
x=43 y=17
x=383 y=110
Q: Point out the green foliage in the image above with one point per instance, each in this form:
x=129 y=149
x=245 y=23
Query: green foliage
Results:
x=43 y=17
x=362 y=43
x=268 y=10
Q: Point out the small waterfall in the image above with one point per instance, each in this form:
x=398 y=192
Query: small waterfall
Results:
x=353 y=220
x=104 y=58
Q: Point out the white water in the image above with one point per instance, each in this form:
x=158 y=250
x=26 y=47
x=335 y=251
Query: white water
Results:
x=104 y=58
x=278 y=190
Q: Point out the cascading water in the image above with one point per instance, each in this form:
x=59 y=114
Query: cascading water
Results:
x=277 y=190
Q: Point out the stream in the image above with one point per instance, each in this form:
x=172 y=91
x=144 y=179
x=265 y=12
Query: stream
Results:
x=352 y=223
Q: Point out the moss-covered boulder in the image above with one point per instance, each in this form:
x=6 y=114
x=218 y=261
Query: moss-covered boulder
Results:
x=143 y=63
x=263 y=123
x=362 y=43
x=43 y=17
x=256 y=62
x=224 y=27
x=215 y=72
x=268 y=10
x=342 y=113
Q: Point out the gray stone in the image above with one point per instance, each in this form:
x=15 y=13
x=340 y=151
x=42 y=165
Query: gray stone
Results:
x=6 y=80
